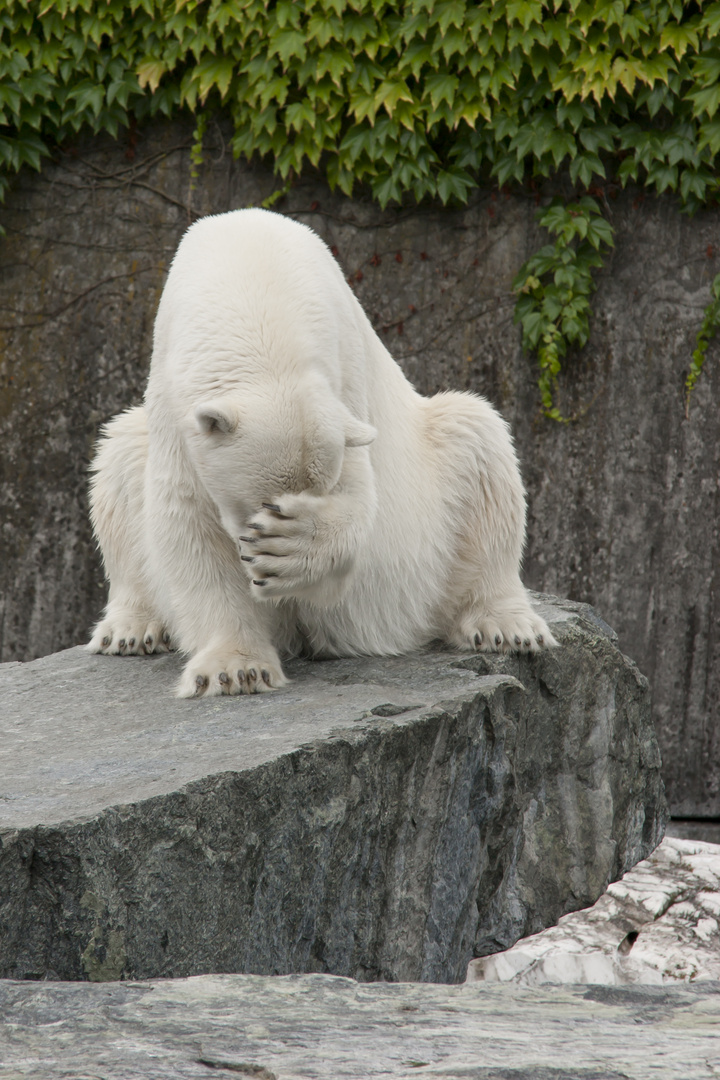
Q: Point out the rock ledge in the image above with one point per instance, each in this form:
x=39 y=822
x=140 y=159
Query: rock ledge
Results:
x=379 y=818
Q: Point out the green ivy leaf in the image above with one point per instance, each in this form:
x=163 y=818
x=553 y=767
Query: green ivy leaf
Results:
x=680 y=38
x=452 y=12
x=288 y=45
x=710 y=21
x=705 y=99
x=214 y=71
x=693 y=183
x=585 y=167
x=87 y=96
x=335 y=62
x=709 y=136
x=299 y=115
x=389 y=93
x=663 y=177
x=386 y=189
x=453 y=183
x=441 y=88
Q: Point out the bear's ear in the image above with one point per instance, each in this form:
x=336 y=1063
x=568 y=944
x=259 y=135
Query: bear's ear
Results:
x=216 y=416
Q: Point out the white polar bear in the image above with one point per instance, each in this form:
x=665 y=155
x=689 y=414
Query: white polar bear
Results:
x=284 y=490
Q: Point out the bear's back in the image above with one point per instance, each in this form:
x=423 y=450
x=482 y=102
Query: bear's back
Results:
x=251 y=293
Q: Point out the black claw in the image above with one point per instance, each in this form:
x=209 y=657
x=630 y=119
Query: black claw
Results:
x=478 y=640
x=122 y=643
x=252 y=674
x=241 y=676
x=149 y=641
x=265 y=675
x=224 y=678
x=498 y=639
x=201 y=682
x=526 y=643
x=540 y=639
x=259 y=582
x=106 y=641
x=249 y=539
x=272 y=506
x=254 y=525
x=247 y=558
x=518 y=641
x=166 y=638
x=131 y=643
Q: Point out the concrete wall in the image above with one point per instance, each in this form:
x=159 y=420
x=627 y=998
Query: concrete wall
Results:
x=624 y=501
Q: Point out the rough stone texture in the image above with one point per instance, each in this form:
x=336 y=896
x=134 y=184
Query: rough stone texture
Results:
x=624 y=503
x=379 y=818
x=657 y=924
x=315 y=1027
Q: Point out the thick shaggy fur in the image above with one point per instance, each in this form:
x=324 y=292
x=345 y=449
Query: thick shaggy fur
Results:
x=284 y=489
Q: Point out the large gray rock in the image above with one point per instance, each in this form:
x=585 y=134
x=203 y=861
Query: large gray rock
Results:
x=379 y=818
x=624 y=508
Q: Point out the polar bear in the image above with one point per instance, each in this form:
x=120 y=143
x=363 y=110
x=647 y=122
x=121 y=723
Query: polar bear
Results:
x=284 y=490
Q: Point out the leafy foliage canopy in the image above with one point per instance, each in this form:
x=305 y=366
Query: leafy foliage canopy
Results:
x=425 y=97
x=413 y=98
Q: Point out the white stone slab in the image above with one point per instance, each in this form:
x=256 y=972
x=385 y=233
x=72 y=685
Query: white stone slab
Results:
x=658 y=924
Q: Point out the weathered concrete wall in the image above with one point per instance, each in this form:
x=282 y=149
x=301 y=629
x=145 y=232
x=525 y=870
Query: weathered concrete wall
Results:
x=624 y=503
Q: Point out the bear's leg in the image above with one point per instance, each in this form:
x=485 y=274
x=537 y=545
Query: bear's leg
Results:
x=130 y=625
x=485 y=501
x=196 y=566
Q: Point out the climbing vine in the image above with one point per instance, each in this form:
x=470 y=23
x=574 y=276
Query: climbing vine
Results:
x=554 y=287
x=708 y=330
x=414 y=99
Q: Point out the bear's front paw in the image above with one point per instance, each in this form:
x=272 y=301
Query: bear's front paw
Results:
x=129 y=634
x=505 y=628
x=277 y=547
x=217 y=671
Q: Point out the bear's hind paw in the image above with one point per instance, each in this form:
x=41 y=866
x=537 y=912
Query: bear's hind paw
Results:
x=506 y=632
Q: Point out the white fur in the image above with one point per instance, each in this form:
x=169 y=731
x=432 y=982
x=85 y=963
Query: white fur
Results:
x=400 y=518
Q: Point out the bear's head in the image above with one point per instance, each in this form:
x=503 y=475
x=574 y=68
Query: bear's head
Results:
x=258 y=442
